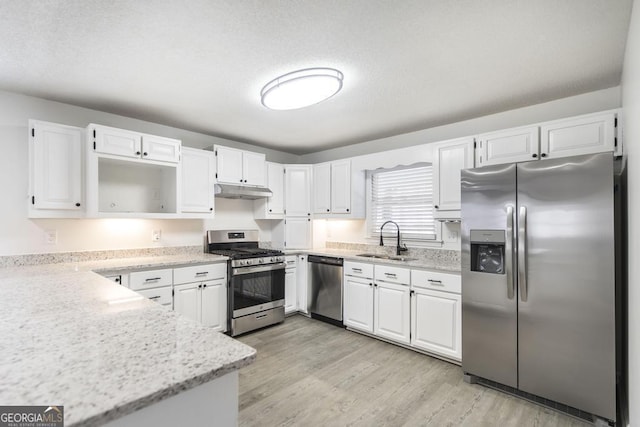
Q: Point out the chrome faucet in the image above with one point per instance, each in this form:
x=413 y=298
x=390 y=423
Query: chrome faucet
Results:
x=398 y=247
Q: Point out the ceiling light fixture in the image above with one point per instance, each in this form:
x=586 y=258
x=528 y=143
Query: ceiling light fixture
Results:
x=301 y=88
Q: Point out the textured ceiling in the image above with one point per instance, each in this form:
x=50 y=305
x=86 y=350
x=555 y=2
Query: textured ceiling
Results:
x=408 y=65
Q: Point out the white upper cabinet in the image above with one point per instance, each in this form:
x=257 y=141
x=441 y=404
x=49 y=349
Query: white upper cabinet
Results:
x=449 y=158
x=587 y=134
x=198 y=177
x=332 y=188
x=298 y=190
x=583 y=135
x=135 y=145
x=240 y=167
x=160 y=149
x=341 y=187
x=229 y=165
x=118 y=142
x=272 y=207
x=322 y=188
x=56 y=177
x=132 y=175
x=508 y=146
x=253 y=167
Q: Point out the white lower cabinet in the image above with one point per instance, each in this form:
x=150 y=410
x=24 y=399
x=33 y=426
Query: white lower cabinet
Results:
x=358 y=303
x=290 y=285
x=200 y=293
x=436 y=322
x=392 y=311
x=204 y=302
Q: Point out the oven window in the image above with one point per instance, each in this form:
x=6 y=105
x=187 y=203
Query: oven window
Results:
x=257 y=288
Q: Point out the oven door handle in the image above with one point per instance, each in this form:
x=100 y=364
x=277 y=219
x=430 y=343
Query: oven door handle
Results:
x=258 y=268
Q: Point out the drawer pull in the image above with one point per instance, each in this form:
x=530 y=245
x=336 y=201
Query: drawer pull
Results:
x=359 y=270
x=261 y=316
x=390 y=274
x=435 y=282
x=153 y=279
x=202 y=273
x=156 y=297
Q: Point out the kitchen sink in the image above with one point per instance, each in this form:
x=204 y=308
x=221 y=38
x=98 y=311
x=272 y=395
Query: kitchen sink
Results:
x=389 y=257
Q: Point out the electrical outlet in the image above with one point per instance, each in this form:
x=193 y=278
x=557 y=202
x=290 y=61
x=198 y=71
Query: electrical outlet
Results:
x=51 y=237
x=453 y=235
x=156 y=235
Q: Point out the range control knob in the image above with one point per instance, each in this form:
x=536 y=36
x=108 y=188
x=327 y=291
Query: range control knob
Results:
x=272 y=259
x=261 y=261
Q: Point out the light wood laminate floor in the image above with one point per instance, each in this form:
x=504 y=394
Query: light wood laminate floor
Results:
x=309 y=373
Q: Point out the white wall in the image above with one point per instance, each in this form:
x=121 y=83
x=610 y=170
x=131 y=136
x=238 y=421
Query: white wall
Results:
x=631 y=113
x=19 y=235
x=581 y=104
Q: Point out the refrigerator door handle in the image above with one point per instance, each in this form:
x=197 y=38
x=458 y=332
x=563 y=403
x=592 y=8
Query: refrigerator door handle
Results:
x=522 y=253
x=508 y=249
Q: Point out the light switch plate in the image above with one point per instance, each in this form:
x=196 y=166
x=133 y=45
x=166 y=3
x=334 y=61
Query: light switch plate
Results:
x=156 y=235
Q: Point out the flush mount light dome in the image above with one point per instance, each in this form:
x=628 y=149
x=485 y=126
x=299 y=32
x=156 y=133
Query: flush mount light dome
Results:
x=301 y=88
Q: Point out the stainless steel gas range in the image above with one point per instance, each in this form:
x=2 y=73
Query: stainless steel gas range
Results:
x=255 y=279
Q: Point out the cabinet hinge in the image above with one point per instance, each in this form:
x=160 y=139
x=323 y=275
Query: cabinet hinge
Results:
x=33 y=200
x=33 y=132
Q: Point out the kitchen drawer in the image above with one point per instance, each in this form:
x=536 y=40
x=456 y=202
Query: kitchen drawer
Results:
x=358 y=269
x=436 y=281
x=387 y=273
x=199 y=273
x=290 y=261
x=162 y=295
x=150 y=279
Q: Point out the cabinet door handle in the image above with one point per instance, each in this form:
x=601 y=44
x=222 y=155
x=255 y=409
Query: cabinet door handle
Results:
x=211 y=209
x=137 y=153
x=153 y=279
x=78 y=204
x=145 y=153
x=204 y=286
x=370 y=284
x=327 y=210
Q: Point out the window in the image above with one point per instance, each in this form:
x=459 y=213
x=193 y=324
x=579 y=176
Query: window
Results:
x=404 y=195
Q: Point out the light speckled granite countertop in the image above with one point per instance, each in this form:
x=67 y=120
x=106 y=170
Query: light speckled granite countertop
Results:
x=439 y=265
x=71 y=337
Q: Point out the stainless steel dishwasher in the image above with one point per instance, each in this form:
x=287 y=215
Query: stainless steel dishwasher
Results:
x=325 y=302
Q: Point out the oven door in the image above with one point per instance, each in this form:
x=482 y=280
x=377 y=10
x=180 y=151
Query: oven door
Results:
x=256 y=288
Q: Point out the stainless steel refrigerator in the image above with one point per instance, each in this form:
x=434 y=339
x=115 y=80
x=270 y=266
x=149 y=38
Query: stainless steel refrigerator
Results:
x=538 y=279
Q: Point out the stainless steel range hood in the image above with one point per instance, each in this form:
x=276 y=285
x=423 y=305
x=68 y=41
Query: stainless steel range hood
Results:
x=229 y=191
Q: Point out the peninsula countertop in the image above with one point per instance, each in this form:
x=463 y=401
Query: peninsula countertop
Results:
x=71 y=337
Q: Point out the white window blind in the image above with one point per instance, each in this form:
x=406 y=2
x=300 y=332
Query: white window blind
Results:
x=403 y=195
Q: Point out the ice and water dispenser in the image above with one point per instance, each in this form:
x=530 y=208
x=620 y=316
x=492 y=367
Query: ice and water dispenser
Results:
x=487 y=251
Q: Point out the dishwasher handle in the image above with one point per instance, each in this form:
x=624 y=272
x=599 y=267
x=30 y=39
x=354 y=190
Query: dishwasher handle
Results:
x=325 y=260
